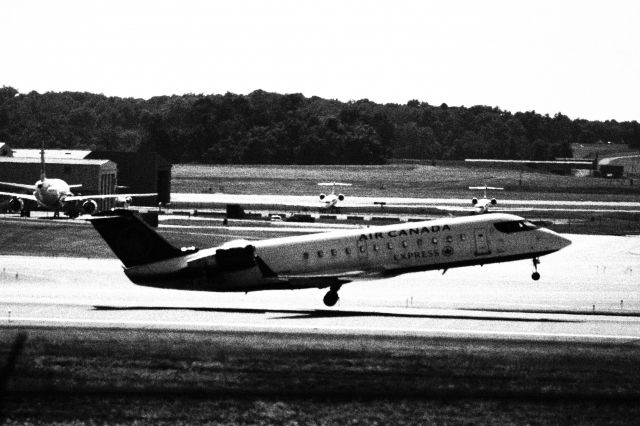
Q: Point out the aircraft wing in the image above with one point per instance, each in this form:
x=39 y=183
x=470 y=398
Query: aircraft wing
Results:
x=349 y=275
x=22 y=196
x=321 y=280
x=18 y=185
x=310 y=280
x=102 y=197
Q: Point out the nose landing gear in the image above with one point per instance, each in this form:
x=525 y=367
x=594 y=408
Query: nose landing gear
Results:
x=331 y=298
x=535 y=276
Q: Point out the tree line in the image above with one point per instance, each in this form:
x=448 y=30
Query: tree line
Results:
x=271 y=128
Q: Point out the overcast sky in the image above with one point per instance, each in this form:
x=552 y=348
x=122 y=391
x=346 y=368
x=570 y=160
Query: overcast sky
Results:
x=581 y=58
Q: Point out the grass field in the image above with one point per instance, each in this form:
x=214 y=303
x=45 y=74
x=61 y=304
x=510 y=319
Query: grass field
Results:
x=177 y=377
x=399 y=180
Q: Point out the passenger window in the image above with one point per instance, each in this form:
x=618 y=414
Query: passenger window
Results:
x=449 y=239
x=419 y=242
x=463 y=237
x=389 y=246
x=305 y=255
x=347 y=251
x=405 y=244
x=363 y=249
x=320 y=253
x=434 y=241
x=375 y=247
x=334 y=252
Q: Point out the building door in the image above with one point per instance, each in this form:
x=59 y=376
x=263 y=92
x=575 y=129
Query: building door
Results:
x=482 y=245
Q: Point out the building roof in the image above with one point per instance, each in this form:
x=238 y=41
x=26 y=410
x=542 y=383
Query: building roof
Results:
x=122 y=157
x=50 y=154
x=69 y=161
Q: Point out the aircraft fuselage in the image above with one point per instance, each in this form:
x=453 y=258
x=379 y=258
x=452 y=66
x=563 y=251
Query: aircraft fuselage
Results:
x=375 y=252
x=50 y=193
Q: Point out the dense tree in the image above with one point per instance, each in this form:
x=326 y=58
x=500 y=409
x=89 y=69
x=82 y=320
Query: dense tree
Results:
x=267 y=127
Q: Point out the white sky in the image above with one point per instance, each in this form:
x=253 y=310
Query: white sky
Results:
x=581 y=58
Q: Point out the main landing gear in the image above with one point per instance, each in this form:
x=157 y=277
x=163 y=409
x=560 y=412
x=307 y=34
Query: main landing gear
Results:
x=535 y=276
x=331 y=298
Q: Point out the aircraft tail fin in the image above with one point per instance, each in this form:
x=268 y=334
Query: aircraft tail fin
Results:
x=132 y=240
x=43 y=173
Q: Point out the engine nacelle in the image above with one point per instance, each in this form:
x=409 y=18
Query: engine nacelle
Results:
x=89 y=206
x=494 y=201
x=341 y=197
x=474 y=201
x=16 y=205
x=322 y=196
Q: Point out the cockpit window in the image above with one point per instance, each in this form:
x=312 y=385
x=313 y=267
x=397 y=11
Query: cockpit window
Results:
x=515 y=226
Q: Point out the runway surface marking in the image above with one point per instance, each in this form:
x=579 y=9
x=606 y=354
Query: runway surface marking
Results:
x=333 y=328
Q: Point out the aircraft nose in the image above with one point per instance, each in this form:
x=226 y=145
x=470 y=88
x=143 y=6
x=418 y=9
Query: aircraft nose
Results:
x=561 y=242
x=553 y=241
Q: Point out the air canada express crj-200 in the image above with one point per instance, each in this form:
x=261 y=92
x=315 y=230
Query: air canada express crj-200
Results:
x=325 y=260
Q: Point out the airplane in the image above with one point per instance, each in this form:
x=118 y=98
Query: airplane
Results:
x=56 y=195
x=482 y=205
x=323 y=260
x=329 y=201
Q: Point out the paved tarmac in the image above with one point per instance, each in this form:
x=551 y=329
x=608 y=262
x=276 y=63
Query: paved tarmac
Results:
x=188 y=200
x=589 y=291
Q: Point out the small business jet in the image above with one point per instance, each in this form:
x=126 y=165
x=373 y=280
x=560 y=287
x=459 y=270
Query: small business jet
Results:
x=482 y=205
x=325 y=260
x=55 y=194
x=329 y=201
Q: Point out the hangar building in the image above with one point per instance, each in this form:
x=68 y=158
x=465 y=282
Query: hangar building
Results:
x=98 y=172
x=140 y=172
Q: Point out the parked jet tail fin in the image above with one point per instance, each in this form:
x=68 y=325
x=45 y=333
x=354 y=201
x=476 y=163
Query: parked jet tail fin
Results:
x=132 y=240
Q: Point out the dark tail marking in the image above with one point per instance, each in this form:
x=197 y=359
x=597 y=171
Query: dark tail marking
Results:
x=132 y=240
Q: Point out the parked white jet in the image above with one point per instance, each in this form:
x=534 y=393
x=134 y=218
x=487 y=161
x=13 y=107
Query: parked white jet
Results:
x=482 y=205
x=324 y=260
x=330 y=200
x=55 y=194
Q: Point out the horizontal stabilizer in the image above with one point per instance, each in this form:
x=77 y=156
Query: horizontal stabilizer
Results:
x=333 y=184
x=487 y=187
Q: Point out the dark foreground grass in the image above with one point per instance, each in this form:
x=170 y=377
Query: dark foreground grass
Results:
x=183 y=377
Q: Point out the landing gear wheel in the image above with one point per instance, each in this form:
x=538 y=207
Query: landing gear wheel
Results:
x=331 y=298
x=535 y=276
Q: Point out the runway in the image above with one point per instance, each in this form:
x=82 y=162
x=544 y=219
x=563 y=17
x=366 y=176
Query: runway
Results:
x=588 y=292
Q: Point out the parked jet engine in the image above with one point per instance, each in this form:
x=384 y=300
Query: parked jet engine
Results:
x=16 y=205
x=89 y=206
